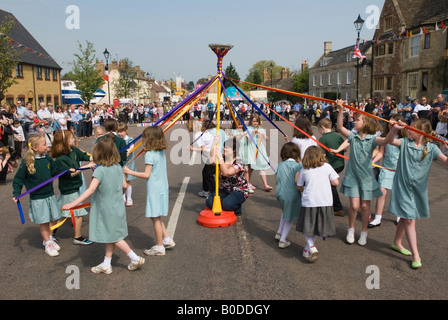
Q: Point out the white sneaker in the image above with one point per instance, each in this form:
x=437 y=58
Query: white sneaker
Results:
x=313 y=254
x=250 y=190
x=53 y=239
x=50 y=249
x=133 y=266
x=101 y=269
x=284 y=244
x=204 y=194
x=350 y=236
x=277 y=236
x=169 y=245
x=362 y=241
x=129 y=203
x=155 y=251
x=306 y=253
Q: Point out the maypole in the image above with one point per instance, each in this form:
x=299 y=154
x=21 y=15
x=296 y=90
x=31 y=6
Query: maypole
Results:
x=216 y=217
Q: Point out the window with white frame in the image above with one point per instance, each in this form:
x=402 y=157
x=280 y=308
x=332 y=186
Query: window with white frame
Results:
x=349 y=77
x=414 y=46
x=329 y=79
x=339 y=78
x=314 y=81
x=412 y=87
x=321 y=79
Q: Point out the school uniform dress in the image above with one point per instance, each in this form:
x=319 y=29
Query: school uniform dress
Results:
x=157 y=188
x=243 y=143
x=43 y=206
x=390 y=158
x=107 y=223
x=287 y=194
x=316 y=214
x=409 y=198
x=257 y=160
x=70 y=188
x=359 y=180
x=133 y=165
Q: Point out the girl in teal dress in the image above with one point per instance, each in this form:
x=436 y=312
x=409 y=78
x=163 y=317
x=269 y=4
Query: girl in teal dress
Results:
x=257 y=159
x=108 y=212
x=390 y=154
x=409 y=198
x=122 y=132
x=359 y=183
x=157 y=200
x=286 y=192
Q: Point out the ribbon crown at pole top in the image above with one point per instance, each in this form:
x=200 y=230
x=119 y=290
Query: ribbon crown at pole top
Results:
x=220 y=49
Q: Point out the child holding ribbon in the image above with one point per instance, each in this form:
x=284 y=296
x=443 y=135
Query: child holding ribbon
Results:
x=286 y=192
x=257 y=156
x=409 y=198
x=122 y=132
x=67 y=155
x=44 y=209
x=157 y=201
x=359 y=183
x=108 y=212
x=316 y=215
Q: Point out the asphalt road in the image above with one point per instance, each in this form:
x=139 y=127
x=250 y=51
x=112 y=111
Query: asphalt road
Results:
x=239 y=262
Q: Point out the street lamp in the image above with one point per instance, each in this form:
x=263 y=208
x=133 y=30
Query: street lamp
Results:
x=359 y=23
x=107 y=55
x=272 y=67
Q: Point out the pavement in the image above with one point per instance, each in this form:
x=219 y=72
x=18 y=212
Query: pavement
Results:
x=235 y=263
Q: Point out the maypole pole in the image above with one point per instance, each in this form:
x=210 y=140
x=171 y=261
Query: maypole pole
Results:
x=216 y=217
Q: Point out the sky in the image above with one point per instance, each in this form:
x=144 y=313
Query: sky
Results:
x=169 y=38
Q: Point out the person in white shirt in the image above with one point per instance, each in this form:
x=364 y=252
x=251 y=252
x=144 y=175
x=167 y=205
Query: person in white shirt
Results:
x=422 y=110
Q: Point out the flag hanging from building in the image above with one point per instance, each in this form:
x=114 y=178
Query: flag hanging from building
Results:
x=358 y=54
x=106 y=74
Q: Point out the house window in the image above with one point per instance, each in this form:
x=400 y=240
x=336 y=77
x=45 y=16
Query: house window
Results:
x=349 y=77
x=378 y=84
x=55 y=75
x=321 y=79
x=48 y=102
x=415 y=46
x=425 y=80
x=39 y=73
x=339 y=78
x=427 y=44
x=329 y=79
x=364 y=71
x=412 y=84
x=389 y=83
x=388 y=23
x=349 y=56
x=19 y=70
x=47 y=74
x=314 y=81
x=390 y=48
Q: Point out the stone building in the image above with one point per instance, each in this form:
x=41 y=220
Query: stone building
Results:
x=410 y=49
x=37 y=73
x=335 y=74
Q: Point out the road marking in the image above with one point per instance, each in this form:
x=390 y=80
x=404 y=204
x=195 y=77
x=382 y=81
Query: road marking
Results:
x=172 y=223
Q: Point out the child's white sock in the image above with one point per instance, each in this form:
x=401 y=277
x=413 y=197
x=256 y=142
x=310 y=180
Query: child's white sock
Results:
x=286 y=228
x=167 y=240
x=131 y=255
x=309 y=242
x=129 y=193
x=377 y=219
x=280 y=227
x=107 y=262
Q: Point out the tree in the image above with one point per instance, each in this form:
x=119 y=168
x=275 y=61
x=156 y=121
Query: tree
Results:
x=8 y=59
x=256 y=72
x=301 y=81
x=85 y=74
x=125 y=86
x=230 y=72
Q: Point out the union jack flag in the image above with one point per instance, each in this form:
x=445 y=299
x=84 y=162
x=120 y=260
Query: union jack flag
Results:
x=358 y=54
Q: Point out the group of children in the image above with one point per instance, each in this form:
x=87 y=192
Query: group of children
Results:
x=110 y=189
x=306 y=189
x=407 y=158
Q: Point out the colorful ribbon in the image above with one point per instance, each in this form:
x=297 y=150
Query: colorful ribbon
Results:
x=72 y=215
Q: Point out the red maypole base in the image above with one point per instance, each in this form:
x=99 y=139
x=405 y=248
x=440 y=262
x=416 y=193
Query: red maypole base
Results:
x=208 y=219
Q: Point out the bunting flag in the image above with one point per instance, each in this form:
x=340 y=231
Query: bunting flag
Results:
x=106 y=74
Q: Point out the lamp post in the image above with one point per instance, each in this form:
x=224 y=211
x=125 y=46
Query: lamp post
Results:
x=359 y=23
x=272 y=68
x=107 y=55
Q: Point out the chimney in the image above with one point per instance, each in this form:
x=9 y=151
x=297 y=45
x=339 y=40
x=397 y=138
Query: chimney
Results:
x=304 y=65
x=328 y=47
x=284 y=73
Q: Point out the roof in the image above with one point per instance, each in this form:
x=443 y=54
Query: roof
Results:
x=21 y=36
x=422 y=12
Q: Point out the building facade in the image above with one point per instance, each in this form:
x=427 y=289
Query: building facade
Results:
x=410 y=46
x=37 y=73
x=336 y=73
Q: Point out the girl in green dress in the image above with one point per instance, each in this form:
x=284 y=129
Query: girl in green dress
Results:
x=359 y=183
x=108 y=213
x=409 y=198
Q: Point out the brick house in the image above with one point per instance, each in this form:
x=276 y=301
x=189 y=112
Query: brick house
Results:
x=410 y=49
x=37 y=73
x=335 y=73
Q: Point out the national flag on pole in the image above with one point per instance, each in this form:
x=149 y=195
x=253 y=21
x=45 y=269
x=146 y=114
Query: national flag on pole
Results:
x=358 y=54
x=106 y=74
